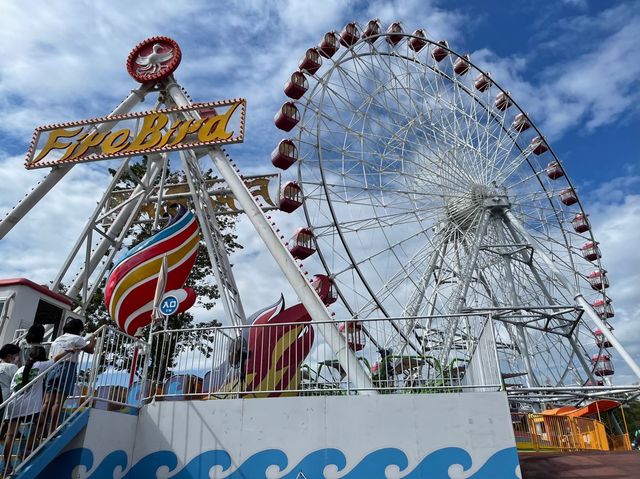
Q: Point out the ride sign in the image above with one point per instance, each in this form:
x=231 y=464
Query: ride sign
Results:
x=169 y=305
x=194 y=126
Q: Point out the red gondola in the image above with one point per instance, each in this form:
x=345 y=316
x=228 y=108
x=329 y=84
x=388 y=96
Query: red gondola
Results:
x=554 y=170
x=350 y=34
x=296 y=86
x=502 y=101
x=419 y=41
x=311 y=61
x=482 y=81
x=461 y=65
x=371 y=31
x=394 y=33
x=598 y=279
x=355 y=336
x=580 y=223
x=602 y=365
x=290 y=197
x=538 y=146
x=329 y=45
x=568 y=196
x=520 y=123
x=301 y=244
x=440 y=51
x=287 y=117
x=601 y=339
x=326 y=288
x=285 y=154
x=604 y=308
x=590 y=251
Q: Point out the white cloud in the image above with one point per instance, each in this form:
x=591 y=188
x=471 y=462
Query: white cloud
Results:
x=615 y=217
x=589 y=75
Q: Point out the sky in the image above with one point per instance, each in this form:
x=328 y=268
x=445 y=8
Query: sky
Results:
x=572 y=65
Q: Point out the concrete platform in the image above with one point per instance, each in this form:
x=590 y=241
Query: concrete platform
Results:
x=592 y=465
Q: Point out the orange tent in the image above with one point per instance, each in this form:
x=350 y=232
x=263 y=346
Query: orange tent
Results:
x=592 y=409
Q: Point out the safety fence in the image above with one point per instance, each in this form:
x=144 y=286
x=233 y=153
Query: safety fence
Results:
x=542 y=432
x=47 y=396
x=285 y=359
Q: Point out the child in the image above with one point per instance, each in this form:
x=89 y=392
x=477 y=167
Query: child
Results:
x=26 y=406
x=9 y=354
x=62 y=378
x=34 y=337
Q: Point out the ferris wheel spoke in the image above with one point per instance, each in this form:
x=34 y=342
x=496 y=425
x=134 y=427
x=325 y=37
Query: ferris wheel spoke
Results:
x=457 y=138
x=372 y=137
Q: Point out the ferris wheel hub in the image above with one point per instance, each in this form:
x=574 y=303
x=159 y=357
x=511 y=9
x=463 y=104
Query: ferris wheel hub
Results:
x=464 y=211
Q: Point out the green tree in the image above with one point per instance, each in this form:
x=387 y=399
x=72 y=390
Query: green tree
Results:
x=201 y=280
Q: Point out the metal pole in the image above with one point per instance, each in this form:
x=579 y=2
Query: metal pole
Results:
x=308 y=296
x=58 y=172
x=463 y=288
x=586 y=306
x=521 y=334
x=574 y=345
x=124 y=216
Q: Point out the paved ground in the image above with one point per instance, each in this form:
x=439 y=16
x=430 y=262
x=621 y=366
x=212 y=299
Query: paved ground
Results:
x=594 y=465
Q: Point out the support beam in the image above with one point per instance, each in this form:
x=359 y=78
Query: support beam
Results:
x=463 y=288
x=586 y=306
x=308 y=296
x=58 y=172
x=119 y=225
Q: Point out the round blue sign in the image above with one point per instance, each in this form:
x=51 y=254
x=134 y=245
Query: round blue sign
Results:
x=169 y=305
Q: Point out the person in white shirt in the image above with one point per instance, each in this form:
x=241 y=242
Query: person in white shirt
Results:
x=26 y=405
x=9 y=355
x=61 y=380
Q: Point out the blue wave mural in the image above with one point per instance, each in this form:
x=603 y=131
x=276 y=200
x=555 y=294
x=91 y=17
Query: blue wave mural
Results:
x=436 y=465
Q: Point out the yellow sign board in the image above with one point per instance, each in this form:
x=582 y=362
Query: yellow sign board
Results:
x=192 y=127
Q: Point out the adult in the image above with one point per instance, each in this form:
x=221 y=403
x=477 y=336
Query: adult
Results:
x=61 y=380
x=34 y=337
x=26 y=407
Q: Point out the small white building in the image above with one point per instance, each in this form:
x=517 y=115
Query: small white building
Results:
x=23 y=303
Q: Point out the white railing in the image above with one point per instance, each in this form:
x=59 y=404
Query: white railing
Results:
x=285 y=359
x=54 y=397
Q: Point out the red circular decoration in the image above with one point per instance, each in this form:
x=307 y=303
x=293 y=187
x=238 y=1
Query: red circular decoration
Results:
x=153 y=59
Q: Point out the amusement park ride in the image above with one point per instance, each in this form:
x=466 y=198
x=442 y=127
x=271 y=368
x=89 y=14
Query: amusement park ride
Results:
x=447 y=229
x=426 y=191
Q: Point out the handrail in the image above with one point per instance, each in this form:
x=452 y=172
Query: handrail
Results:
x=49 y=416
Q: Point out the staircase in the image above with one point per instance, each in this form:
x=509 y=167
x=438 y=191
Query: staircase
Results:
x=94 y=373
x=34 y=463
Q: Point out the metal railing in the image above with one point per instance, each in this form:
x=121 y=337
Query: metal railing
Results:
x=284 y=359
x=57 y=392
x=540 y=432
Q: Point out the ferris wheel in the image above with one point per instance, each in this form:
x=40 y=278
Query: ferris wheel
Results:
x=427 y=192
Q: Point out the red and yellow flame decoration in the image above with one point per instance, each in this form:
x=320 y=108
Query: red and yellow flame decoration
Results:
x=279 y=341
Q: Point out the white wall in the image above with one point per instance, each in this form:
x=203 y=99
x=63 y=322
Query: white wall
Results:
x=417 y=425
x=438 y=436
x=103 y=448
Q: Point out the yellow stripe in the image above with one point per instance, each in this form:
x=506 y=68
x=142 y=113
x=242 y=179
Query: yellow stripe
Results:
x=148 y=269
x=273 y=376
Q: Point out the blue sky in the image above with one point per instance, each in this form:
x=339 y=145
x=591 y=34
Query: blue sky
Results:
x=573 y=65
